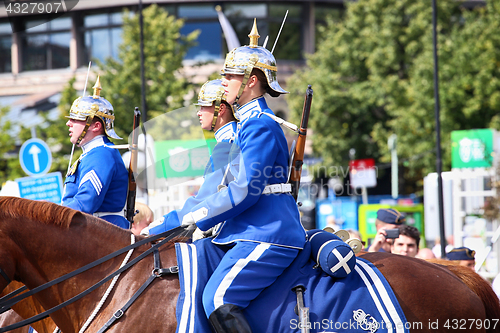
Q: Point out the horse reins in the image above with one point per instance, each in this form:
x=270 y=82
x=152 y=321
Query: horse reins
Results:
x=5 y=276
x=157 y=272
x=169 y=235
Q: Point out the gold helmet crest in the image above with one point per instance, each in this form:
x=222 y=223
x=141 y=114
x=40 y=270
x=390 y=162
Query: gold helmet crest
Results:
x=243 y=59
x=87 y=107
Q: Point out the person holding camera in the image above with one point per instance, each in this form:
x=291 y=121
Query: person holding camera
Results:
x=387 y=220
x=407 y=242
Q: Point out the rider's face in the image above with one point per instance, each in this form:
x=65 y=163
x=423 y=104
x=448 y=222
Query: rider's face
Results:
x=206 y=115
x=231 y=84
x=75 y=129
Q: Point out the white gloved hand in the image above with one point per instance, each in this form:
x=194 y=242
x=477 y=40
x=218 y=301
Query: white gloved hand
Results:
x=188 y=221
x=155 y=223
x=198 y=234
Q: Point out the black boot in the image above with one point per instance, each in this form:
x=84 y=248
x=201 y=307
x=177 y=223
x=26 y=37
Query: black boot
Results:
x=228 y=318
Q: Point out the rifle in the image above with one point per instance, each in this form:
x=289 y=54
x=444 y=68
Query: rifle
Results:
x=132 y=186
x=298 y=157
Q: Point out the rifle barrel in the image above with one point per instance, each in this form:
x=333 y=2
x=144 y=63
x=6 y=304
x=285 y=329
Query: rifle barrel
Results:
x=132 y=186
x=298 y=157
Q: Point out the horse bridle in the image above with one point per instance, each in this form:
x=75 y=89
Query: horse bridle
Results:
x=169 y=235
x=5 y=276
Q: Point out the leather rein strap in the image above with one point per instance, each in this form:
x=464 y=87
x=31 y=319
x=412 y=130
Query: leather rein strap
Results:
x=5 y=276
x=5 y=305
x=157 y=272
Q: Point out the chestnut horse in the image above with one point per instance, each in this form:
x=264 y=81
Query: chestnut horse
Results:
x=41 y=241
x=25 y=309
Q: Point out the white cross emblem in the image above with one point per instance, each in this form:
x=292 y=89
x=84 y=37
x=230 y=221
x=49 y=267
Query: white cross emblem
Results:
x=342 y=261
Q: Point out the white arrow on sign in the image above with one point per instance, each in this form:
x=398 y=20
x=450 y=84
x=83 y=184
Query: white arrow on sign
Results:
x=34 y=150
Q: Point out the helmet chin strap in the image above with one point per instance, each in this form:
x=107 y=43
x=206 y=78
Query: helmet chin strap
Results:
x=85 y=129
x=217 y=107
x=253 y=59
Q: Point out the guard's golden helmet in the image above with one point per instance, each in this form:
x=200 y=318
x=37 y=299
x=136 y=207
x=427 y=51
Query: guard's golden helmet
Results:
x=213 y=92
x=243 y=59
x=87 y=107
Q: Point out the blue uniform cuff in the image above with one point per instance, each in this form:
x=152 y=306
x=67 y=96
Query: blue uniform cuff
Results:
x=171 y=220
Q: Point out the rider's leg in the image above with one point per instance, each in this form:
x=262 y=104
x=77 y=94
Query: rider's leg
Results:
x=244 y=271
x=228 y=318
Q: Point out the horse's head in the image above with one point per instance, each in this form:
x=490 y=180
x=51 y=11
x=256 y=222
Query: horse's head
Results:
x=22 y=223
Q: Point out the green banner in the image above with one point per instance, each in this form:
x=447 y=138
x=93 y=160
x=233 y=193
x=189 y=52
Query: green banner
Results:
x=182 y=158
x=472 y=148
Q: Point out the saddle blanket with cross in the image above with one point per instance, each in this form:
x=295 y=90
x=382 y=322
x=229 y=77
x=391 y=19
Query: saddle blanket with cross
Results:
x=361 y=302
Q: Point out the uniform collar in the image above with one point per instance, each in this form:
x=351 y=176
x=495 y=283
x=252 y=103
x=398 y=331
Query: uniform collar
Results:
x=226 y=132
x=95 y=142
x=257 y=104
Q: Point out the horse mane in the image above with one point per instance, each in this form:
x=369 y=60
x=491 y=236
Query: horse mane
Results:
x=41 y=211
x=476 y=283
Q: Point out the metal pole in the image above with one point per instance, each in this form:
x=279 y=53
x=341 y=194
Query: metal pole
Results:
x=143 y=99
x=394 y=166
x=439 y=162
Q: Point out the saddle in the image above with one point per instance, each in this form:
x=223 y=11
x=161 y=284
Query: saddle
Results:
x=339 y=291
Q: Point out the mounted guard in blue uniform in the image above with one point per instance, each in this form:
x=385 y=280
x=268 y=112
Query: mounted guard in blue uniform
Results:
x=215 y=115
x=261 y=234
x=97 y=182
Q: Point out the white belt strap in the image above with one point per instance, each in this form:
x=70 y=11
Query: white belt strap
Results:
x=277 y=188
x=101 y=214
x=283 y=122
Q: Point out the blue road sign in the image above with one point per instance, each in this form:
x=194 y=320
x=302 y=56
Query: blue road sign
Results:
x=35 y=157
x=47 y=187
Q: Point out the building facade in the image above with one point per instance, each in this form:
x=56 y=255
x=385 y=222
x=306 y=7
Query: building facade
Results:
x=39 y=53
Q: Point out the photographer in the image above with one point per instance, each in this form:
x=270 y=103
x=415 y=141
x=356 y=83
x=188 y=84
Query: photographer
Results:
x=387 y=219
x=407 y=242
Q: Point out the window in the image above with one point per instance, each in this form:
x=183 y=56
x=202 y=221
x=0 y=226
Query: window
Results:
x=269 y=15
x=103 y=35
x=45 y=45
x=5 y=45
x=197 y=11
x=203 y=18
x=209 y=42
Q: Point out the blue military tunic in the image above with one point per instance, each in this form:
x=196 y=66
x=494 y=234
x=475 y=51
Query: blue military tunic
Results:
x=262 y=233
x=98 y=182
x=215 y=175
x=262 y=160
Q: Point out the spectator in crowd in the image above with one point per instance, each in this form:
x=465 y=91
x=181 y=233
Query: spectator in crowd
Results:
x=143 y=217
x=407 y=242
x=387 y=218
x=436 y=249
x=464 y=256
x=425 y=253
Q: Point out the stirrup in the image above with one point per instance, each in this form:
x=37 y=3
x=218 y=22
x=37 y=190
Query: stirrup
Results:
x=229 y=318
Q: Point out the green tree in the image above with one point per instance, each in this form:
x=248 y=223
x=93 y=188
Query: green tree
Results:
x=469 y=72
x=372 y=77
x=9 y=159
x=164 y=50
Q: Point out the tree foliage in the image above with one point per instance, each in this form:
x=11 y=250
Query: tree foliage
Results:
x=164 y=50
x=372 y=76
x=7 y=147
